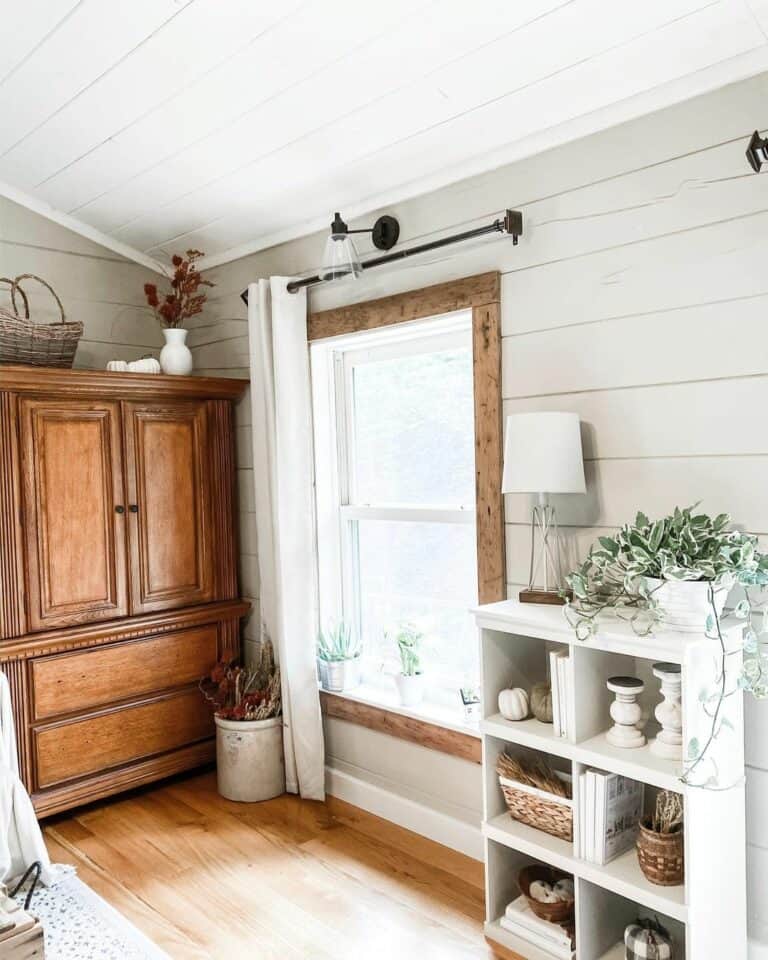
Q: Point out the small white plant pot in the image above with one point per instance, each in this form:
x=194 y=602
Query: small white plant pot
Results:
x=176 y=357
x=249 y=759
x=410 y=689
x=336 y=676
x=685 y=604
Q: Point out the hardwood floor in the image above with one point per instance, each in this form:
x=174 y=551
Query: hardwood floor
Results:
x=206 y=878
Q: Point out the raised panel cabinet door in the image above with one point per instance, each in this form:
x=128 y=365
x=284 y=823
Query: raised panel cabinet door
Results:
x=169 y=505
x=74 y=515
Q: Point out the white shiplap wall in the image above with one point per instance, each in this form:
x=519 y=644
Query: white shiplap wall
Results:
x=638 y=297
x=95 y=285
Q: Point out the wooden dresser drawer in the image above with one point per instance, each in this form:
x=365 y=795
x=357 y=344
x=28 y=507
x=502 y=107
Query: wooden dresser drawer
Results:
x=76 y=748
x=76 y=682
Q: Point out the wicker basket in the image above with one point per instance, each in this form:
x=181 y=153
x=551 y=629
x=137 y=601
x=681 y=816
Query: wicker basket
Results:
x=38 y=344
x=561 y=912
x=661 y=856
x=537 y=808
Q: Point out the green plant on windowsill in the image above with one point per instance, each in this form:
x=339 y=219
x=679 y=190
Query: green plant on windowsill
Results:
x=678 y=572
x=338 y=653
x=410 y=680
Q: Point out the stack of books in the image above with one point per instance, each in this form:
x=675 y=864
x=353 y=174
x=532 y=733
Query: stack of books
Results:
x=522 y=921
x=561 y=683
x=610 y=809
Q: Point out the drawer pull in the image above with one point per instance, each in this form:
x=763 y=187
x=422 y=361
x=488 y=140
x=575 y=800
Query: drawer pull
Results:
x=119 y=508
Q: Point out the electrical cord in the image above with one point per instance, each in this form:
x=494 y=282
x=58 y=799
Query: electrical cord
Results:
x=35 y=868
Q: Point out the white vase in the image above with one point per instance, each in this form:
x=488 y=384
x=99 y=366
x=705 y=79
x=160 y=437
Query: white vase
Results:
x=410 y=689
x=176 y=357
x=685 y=604
x=249 y=759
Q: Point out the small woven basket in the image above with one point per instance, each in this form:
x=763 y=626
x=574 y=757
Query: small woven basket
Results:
x=661 y=856
x=538 y=808
x=562 y=911
x=23 y=341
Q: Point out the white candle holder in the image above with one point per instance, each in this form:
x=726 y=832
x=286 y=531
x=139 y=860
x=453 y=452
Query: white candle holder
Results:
x=626 y=713
x=669 y=713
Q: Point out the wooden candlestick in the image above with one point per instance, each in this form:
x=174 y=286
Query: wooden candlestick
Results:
x=626 y=712
x=669 y=713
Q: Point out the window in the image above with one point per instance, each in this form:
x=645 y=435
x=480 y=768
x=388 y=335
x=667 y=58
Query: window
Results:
x=394 y=449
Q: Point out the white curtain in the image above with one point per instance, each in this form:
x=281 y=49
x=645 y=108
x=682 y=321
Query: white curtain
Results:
x=284 y=479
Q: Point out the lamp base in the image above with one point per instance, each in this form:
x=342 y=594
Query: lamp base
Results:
x=541 y=596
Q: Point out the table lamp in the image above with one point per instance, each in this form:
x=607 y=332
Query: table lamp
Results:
x=542 y=455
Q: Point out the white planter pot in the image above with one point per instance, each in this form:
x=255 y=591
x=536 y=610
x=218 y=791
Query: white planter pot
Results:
x=410 y=689
x=176 y=357
x=336 y=676
x=249 y=758
x=685 y=603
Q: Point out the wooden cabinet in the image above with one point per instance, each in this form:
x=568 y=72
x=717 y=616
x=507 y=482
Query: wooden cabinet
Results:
x=73 y=511
x=168 y=462
x=118 y=579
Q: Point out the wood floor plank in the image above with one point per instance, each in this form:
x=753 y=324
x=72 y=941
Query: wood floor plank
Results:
x=206 y=878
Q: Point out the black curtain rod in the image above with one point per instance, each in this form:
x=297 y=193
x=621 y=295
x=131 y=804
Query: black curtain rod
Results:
x=512 y=224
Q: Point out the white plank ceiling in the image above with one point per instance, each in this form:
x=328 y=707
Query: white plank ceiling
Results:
x=230 y=125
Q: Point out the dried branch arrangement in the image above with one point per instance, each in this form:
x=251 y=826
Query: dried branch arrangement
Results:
x=532 y=773
x=238 y=693
x=184 y=300
x=668 y=815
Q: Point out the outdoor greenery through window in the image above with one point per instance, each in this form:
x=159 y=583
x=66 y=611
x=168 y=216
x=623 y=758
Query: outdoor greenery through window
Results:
x=394 y=430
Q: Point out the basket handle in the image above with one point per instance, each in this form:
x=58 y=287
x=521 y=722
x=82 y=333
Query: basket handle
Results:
x=14 y=287
x=32 y=276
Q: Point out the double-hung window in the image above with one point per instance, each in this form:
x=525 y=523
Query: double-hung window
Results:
x=395 y=476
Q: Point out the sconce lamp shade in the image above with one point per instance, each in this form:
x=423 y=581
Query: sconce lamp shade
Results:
x=340 y=258
x=542 y=454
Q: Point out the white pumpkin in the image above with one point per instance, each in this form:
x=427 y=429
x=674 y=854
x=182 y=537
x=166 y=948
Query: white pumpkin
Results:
x=563 y=890
x=145 y=365
x=514 y=704
x=542 y=892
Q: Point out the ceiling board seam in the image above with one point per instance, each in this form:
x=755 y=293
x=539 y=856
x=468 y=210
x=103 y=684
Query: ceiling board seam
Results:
x=162 y=103
x=395 y=143
x=40 y=42
x=101 y=76
x=219 y=130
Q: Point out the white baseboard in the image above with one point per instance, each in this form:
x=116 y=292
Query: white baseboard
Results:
x=434 y=824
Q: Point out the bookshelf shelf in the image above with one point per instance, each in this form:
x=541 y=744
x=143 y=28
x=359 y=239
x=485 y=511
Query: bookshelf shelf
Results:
x=622 y=875
x=641 y=764
x=616 y=952
x=516 y=640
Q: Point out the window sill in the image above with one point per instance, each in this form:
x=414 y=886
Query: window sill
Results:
x=428 y=725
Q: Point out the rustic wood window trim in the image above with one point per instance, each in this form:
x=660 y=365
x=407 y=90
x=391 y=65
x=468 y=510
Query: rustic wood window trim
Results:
x=482 y=295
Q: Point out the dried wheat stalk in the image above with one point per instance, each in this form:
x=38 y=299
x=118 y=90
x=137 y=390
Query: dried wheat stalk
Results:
x=668 y=815
x=533 y=773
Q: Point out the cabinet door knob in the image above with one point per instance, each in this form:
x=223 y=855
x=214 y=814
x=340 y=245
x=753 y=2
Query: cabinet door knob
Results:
x=134 y=508
x=119 y=508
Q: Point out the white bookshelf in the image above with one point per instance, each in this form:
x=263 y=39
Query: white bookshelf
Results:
x=515 y=640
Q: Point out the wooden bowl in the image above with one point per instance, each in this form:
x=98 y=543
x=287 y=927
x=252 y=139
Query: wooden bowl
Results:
x=561 y=912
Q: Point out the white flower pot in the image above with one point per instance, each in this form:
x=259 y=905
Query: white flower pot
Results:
x=249 y=759
x=685 y=604
x=410 y=689
x=176 y=357
x=336 y=676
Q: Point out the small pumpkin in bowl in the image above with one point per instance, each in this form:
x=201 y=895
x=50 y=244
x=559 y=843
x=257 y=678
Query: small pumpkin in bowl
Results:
x=541 y=702
x=514 y=704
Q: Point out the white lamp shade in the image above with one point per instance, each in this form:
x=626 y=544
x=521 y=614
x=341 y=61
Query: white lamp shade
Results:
x=542 y=454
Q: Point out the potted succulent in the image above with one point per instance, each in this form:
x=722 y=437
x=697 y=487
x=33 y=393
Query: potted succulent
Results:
x=175 y=307
x=410 y=679
x=339 y=658
x=249 y=727
x=678 y=572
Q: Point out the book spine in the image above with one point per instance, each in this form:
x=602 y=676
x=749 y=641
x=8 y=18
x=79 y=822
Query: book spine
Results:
x=559 y=950
x=554 y=686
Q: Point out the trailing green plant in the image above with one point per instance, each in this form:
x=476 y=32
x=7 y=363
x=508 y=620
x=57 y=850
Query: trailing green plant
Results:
x=409 y=640
x=338 y=643
x=684 y=546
